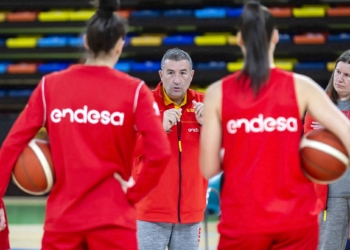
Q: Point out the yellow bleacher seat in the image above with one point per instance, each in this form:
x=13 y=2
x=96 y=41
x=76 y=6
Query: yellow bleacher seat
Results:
x=210 y=40
x=232 y=40
x=309 y=11
x=146 y=41
x=54 y=16
x=330 y=66
x=284 y=65
x=81 y=15
x=2 y=16
x=28 y=42
x=234 y=66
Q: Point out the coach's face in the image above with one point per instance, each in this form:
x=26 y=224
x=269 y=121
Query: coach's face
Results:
x=176 y=77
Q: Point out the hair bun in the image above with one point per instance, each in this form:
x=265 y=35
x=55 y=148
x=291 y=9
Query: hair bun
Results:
x=109 y=5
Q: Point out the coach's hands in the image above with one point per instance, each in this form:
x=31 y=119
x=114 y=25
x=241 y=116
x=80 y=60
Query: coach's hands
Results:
x=2 y=219
x=124 y=184
x=198 y=109
x=170 y=118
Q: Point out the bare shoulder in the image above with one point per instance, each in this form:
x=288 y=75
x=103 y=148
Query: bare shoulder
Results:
x=305 y=83
x=215 y=88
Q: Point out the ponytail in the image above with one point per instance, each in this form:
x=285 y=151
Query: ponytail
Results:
x=256 y=25
x=105 y=28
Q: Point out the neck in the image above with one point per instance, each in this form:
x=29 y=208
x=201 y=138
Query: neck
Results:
x=107 y=61
x=344 y=98
x=178 y=101
x=271 y=59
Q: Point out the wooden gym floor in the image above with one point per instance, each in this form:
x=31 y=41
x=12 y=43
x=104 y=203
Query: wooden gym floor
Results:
x=26 y=215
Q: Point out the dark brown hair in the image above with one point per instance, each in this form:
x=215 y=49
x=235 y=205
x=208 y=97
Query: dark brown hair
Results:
x=105 y=28
x=256 y=25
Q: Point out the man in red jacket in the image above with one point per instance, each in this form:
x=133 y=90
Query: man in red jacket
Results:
x=170 y=215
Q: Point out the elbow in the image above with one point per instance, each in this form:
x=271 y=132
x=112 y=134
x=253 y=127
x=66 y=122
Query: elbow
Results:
x=206 y=175
x=209 y=172
x=164 y=156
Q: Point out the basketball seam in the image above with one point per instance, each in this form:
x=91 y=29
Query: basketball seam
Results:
x=330 y=150
x=44 y=163
x=316 y=166
x=26 y=173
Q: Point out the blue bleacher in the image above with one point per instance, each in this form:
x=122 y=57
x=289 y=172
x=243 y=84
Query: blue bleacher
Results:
x=147 y=66
x=285 y=38
x=3 y=66
x=211 y=66
x=310 y=66
x=343 y=37
x=145 y=14
x=123 y=66
x=178 y=13
x=210 y=13
x=51 y=67
x=234 y=12
x=75 y=41
x=54 y=41
x=178 y=40
x=19 y=92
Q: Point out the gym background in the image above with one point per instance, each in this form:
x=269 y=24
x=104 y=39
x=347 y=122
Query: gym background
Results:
x=38 y=37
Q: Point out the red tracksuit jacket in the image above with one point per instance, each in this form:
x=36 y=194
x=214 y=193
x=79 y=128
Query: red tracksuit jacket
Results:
x=91 y=114
x=180 y=196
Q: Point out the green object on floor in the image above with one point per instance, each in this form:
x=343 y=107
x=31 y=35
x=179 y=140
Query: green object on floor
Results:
x=25 y=214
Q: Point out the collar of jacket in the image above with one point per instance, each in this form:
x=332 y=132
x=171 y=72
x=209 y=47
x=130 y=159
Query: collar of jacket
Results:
x=158 y=94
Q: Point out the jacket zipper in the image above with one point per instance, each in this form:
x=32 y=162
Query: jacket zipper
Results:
x=179 y=128
x=325 y=209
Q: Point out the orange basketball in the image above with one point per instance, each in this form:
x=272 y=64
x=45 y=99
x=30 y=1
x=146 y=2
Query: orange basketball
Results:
x=33 y=172
x=324 y=159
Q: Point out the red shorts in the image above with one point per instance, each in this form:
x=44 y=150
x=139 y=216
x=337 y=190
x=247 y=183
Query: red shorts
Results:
x=301 y=239
x=4 y=234
x=108 y=237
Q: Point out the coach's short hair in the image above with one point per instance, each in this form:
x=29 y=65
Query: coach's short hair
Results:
x=176 y=55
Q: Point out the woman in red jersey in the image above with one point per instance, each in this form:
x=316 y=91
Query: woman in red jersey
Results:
x=252 y=129
x=92 y=113
x=4 y=231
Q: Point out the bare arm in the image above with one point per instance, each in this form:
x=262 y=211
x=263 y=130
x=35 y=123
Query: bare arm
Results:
x=312 y=97
x=211 y=134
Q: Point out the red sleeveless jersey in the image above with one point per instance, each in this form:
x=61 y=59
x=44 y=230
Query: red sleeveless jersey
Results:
x=264 y=188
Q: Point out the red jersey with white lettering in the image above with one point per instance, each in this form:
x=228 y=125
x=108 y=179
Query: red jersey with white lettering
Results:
x=264 y=188
x=92 y=114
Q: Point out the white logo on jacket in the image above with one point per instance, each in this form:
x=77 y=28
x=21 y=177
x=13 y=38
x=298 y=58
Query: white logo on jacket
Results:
x=85 y=115
x=195 y=130
x=261 y=124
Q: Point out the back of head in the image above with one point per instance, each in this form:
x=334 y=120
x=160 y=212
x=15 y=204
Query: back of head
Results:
x=176 y=55
x=105 y=28
x=345 y=58
x=256 y=25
